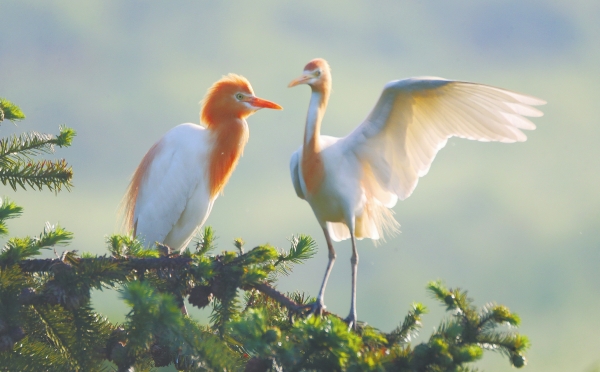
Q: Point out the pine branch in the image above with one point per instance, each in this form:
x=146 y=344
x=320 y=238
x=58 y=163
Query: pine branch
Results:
x=45 y=264
x=223 y=311
x=8 y=210
x=303 y=247
x=12 y=283
x=18 y=249
x=125 y=246
x=10 y=111
x=205 y=241
x=24 y=357
x=47 y=302
x=281 y=311
x=491 y=315
x=18 y=168
x=52 y=174
x=53 y=235
x=23 y=148
x=56 y=329
x=409 y=327
x=154 y=319
x=278 y=296
x=462 y=338
x=202 y=347
x=65 y=137
x=91 y=332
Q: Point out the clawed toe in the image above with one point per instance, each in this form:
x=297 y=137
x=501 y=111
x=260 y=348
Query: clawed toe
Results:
x=316 y=308
x=351 y=321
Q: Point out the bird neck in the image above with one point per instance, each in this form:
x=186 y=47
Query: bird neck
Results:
x=316 y=111
x=313 y=170
x=228 y=140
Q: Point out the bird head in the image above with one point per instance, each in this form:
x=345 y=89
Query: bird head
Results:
x=316 y=73
x=232 y=97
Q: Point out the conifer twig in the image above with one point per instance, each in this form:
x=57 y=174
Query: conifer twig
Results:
x=39 y=265
x=278 y=296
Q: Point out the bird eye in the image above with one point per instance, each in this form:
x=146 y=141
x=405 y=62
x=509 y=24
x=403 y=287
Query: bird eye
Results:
x=317 y=73
x=239 y=96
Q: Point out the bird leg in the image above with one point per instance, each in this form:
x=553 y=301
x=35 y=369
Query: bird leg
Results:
x=183 y=309
x=319 y=305
x=351 y=319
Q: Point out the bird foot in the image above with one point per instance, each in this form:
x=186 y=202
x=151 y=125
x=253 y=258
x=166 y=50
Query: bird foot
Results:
x=351 y=321
x=316 y=308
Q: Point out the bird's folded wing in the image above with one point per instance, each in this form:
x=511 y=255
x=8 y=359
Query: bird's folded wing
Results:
x=295 y=172
x=167 y=184
x=414 y=118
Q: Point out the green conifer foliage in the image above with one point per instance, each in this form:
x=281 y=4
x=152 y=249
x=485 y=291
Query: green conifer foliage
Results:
x=18 y=168
x=48 y=321
x=10 y=111
x=46 y=305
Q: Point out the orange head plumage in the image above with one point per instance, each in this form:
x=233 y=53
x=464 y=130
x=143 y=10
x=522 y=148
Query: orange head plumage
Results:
x=231 y=98
x=226 y=104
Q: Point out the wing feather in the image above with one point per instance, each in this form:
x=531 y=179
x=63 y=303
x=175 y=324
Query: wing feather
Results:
x=413 y=119
x=295 y=172
x=169 y=180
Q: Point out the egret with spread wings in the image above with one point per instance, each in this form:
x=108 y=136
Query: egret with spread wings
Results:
x=352 y=182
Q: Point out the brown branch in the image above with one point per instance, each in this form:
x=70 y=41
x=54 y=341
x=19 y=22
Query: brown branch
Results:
x=142 y=264
x=286 y=301
x=44 y=265
x=278 y=296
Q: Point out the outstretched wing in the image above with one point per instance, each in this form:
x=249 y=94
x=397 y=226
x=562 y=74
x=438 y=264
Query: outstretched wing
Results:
x=414 y=118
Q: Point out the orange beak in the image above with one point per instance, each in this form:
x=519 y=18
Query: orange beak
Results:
x=300 y=80
x=263 y=103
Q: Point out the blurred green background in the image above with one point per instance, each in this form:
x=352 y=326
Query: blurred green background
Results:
x=517 y=224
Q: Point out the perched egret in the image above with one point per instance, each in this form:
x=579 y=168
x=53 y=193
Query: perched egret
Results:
x=173 y=189
x=351 y=182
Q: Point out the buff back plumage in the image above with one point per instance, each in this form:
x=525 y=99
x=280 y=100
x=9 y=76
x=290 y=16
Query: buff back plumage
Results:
x=130 y=198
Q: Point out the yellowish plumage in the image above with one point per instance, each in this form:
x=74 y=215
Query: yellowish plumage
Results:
x=351 y=182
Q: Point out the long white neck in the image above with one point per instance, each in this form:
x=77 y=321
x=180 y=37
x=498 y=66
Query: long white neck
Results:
x=313 y=171
x=316 y=111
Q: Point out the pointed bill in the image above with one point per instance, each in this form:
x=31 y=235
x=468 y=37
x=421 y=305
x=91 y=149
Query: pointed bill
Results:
x=299 y=80
x=263 y=103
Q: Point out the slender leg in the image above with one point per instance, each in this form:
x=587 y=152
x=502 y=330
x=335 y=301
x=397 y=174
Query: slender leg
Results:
x=319 y=306
x=183 y=309
x=351 y=319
